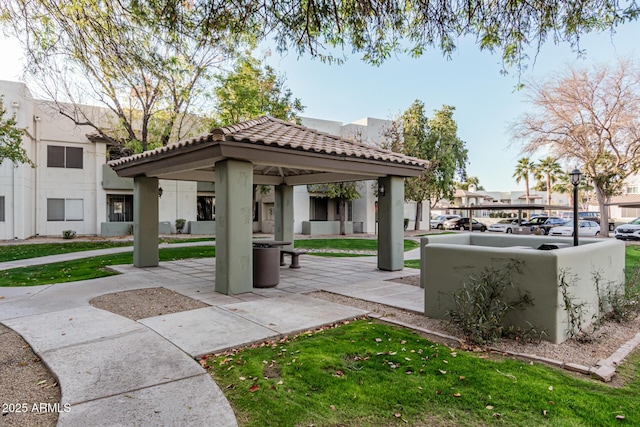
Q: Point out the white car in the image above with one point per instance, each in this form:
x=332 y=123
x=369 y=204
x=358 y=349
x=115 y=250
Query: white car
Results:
x=630 y=231
x=503 y=226
x=585 y=228
x=438 y=221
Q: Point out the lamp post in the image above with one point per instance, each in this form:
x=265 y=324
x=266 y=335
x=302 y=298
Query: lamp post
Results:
x=575 y=177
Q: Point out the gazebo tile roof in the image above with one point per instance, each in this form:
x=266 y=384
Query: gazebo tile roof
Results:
x=269 y=131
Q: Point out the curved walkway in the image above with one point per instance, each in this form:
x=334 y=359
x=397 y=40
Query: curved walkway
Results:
x=117 y=372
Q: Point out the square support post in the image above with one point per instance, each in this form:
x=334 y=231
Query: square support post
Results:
x=145 y=222
x=391 y=223
x=234 y=256
x=283 y=214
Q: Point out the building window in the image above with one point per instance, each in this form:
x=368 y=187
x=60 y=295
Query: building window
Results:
x=1 y=208
x=65 y=210
x=206 y=208
x=318 y=208
x=64 y=157
x=632 y=189
x=630 y=212
x=119 y=207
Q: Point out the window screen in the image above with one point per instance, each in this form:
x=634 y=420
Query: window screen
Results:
x=55 y=209
x=73 y=210
x=55 y=156
x=74 y=157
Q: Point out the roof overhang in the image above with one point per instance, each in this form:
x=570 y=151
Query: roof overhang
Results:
x=281 y=153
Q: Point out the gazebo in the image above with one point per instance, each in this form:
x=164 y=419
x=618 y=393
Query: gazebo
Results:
x=264 y=151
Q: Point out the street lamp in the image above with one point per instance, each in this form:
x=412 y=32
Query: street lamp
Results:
x=575 y=177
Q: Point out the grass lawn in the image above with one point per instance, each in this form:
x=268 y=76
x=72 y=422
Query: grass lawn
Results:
x=367 y=373
x=90 y=268
x=632 y=256
x=347 y=244
x=35 y=250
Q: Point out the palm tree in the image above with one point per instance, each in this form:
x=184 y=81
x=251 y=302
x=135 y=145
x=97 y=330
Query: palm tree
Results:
x=524 y=168
x=550 y=171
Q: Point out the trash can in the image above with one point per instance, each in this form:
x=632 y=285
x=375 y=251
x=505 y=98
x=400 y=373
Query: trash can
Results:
x=266 y=267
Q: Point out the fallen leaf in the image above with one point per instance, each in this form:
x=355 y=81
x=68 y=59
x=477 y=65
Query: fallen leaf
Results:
x=444 y=361
x=438 y=391
x=550 y=388
x=242 y=378
x=403 y=342
x=489 y=407
x=496 y=415
x=619 y=417
x=397 y=415
x=378 y=340
x=461 y=377
x=333 y=408
x=544 y=412
x=442 y=372
x=457 y=395
x=551 y=402
x=280 y=382
x=254 y=388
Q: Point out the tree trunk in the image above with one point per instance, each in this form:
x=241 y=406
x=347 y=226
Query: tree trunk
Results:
x=418 y=215
x=604 y=212
x=341 y=213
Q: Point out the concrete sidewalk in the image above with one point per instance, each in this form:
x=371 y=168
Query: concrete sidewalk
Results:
x=114 y=371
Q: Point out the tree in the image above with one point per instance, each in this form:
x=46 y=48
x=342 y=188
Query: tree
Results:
x=110 y=53
x=524 y=169
x=589 y=117
x=377 y=30
x=252 y=90
x=436 y=140
x=549 y=171
x=470 y=180
x=344 y=192
x=563 y=185
x=11 y=139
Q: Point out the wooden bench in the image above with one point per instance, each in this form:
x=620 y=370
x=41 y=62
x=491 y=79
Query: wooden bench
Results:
x=295 y=253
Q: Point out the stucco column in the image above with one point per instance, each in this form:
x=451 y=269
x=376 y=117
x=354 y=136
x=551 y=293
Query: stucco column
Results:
x=391 y=223
x=283 y=214
x=234 y=258
x=145 y=222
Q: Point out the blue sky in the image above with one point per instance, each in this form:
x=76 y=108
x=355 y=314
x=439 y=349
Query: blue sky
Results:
x=486 y=101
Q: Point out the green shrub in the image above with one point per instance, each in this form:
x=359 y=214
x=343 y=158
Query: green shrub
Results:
x=68 y=234
x=180 y=222
x=480 y=305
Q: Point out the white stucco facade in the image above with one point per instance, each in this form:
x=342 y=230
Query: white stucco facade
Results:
x=72 y=189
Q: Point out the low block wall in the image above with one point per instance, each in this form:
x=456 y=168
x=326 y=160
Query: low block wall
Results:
x=202 y=227
x=325 y=227
x=448 y=261
x=112 y=229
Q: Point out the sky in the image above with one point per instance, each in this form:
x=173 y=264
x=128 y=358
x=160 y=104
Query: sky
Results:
x=486 y=101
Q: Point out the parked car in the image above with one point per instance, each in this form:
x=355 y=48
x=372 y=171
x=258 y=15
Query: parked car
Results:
x=585 y=228
x=505 y=225
x=463 y=224
x=589 y=216
x=630 y=231
x=440 y=219
x=542 y=224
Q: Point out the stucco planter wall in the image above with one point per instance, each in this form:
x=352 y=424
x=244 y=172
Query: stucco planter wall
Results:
x=447 y=261
x=327 y=227
x=112 y=229
x=202 y=227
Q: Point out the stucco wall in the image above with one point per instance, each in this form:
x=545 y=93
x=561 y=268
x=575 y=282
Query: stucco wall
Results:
x=448 y=261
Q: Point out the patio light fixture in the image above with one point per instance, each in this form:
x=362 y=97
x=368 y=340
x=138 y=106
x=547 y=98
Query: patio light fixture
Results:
x=160 y=191
x=380 y=190
x=575 y=177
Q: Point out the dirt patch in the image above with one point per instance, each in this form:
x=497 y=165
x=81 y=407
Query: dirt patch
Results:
x=142 y=303
x=407 y=280
x=25 y=382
